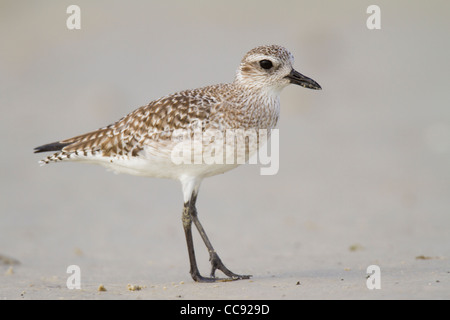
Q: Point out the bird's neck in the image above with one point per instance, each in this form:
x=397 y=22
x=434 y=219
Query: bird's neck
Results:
x=261 y=104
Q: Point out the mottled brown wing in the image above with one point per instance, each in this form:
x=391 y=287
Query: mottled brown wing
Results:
x=127 y=137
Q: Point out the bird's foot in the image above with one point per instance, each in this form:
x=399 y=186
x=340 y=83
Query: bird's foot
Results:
x=217 y=264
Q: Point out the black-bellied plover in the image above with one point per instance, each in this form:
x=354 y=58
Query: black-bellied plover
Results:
x=143 y=142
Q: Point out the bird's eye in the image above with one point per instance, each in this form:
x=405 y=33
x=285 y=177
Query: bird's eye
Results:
x=266 y=64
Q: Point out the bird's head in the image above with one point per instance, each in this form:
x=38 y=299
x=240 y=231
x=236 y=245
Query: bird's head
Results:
x=270 y=68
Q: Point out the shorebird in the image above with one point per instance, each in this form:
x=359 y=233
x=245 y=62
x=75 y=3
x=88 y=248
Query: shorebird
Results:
x=143 y=142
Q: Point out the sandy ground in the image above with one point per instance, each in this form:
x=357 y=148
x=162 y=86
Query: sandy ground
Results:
x=364 y=173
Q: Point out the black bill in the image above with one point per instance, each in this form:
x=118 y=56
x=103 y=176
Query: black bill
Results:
x=297 y=78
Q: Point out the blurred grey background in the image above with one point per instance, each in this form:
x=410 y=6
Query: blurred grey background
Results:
x=364 y=166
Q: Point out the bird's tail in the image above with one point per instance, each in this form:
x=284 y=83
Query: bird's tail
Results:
x=50 y=147
x=55 y=146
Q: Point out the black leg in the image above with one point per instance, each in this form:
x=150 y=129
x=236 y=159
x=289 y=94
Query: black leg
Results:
x=189 y=216
x=187 y=223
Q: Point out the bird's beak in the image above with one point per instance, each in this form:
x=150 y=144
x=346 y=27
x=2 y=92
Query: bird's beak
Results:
x=297 y=78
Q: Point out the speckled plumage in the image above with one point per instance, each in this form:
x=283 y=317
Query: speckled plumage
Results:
x=145 y=135
x=142 y=142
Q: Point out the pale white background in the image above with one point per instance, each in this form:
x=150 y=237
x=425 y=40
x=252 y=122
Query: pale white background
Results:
x=364 y=163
